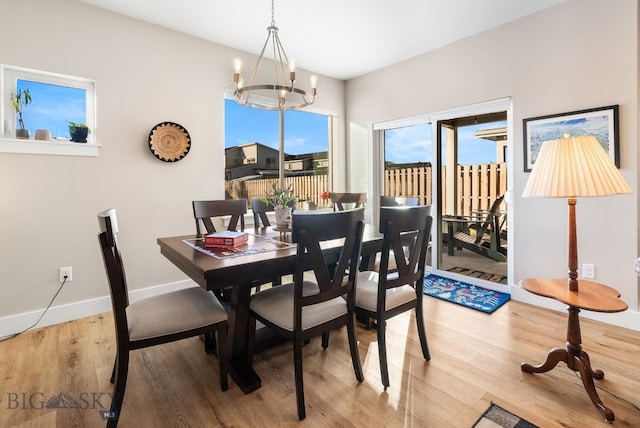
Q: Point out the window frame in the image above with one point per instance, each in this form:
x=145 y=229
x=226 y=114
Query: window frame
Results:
x=9 y=76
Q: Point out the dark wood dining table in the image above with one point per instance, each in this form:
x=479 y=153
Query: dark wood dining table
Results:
x=239 y=273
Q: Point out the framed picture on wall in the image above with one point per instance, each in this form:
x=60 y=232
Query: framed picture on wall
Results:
x=601 y=122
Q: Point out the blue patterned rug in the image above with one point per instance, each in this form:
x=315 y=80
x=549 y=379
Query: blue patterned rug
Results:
x=464 y=294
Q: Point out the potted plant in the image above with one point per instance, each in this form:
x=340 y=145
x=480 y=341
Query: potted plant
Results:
x=280 y=199
x=20 y=100
x=78 y=132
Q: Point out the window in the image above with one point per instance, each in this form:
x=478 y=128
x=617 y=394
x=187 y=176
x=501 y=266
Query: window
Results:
x=307 y=143
x=56 y=100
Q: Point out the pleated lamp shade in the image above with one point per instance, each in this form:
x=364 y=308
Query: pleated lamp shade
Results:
x=574 y=167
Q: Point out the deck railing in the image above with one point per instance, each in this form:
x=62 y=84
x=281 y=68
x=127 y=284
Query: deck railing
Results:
x=476 y=187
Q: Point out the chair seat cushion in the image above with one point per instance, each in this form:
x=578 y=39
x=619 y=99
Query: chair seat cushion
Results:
x=173 y=312
x=367 y=292
x=276 y=305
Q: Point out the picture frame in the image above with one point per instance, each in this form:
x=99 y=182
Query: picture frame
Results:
x=602 y=122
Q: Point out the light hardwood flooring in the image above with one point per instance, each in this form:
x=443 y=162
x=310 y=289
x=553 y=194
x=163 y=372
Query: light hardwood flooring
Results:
x=475 y=360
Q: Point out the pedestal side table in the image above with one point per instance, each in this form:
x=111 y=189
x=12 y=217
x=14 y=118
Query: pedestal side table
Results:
x=592 y=296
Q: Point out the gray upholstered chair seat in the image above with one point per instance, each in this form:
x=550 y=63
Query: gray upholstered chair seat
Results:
x=276 y=304
x=367 y=292
x=173 y=312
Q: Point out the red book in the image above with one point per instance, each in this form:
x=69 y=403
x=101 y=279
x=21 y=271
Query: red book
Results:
x=226 y=239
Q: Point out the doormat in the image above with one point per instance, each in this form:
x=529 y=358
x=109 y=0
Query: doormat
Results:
x=464 y=294
x=493 y=277
x=497 y=417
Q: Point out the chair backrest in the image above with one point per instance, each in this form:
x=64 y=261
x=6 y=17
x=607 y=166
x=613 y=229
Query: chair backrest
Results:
x=492 y=220
x=339 y=199
x=405 y=237
x=115 y=272
x=336 y=271
x=397 y=201
x=204 y=211
x=260 y=210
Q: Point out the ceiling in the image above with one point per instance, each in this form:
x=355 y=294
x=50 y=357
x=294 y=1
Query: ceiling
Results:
x=342 y=39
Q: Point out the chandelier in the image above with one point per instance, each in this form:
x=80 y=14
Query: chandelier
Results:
x=282 y=94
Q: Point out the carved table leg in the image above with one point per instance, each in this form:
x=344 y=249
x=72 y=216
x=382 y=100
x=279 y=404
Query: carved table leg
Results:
x=587 y=374
x=553 y=358
x=576 y=360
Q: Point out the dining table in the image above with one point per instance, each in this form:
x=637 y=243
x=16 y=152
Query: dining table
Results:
x=269 y=253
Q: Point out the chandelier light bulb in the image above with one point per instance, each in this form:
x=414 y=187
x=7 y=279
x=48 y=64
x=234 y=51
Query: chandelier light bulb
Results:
x=237 y=65
x=266 y=92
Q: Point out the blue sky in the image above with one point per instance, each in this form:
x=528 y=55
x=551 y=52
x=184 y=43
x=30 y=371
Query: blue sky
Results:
x=307 y=132
x=413 y=144
x=304 y=132
x=52 y=106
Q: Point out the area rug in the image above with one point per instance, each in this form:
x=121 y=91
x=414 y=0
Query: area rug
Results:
x=497 y=417
x=464 y=294
x=500 y=279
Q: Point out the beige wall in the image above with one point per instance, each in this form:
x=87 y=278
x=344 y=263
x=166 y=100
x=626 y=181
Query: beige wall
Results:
x=577 y=55
x=144 y=75
x=580 y=54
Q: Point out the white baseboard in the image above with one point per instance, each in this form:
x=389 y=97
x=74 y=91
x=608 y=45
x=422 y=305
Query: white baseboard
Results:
x=13 y=324
x=628 y=319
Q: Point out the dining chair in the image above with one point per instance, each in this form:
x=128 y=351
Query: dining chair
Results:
x=164 y=318
x=205 y=212
x=383 y=295
x=307 y=308
x=260 y=210
x=397 y=201
x=353 y=200
x=394 y=201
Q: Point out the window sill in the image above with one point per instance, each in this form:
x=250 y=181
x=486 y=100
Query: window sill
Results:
x=51 y=147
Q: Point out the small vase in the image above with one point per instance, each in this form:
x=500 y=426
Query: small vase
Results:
x=283 y=216
x=22 y=134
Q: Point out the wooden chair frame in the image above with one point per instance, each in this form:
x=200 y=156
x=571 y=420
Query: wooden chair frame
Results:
x=335 y=276
x=406 y=233
x=114 y=268
x=204 y=211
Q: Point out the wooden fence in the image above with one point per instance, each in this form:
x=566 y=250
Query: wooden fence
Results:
x=477 y=186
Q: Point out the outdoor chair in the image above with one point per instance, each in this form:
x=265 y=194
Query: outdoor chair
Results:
x=383 y=295
x=164 y=318
x=482 y=232
x=308 y=308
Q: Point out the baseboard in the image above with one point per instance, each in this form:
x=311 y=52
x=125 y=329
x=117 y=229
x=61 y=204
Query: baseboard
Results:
x=628 y=319
x=13 y=324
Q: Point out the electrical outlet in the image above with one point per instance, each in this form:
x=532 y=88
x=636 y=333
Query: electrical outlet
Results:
x=588 y=271
x=66 y=271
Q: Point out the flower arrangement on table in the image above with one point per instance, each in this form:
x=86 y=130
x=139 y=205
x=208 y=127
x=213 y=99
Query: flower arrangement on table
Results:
x=325 y=196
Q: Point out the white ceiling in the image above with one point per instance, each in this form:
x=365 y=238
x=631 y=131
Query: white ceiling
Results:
x=337 y=38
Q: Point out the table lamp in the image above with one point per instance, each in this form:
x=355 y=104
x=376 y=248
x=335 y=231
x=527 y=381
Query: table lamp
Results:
x=573 y=167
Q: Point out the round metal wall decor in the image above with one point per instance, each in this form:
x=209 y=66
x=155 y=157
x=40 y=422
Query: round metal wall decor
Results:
x=169 y=141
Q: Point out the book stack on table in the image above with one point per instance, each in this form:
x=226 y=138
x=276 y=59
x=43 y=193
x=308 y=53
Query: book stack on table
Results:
x=226 y=239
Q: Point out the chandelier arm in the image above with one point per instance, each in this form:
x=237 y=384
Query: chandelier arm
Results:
x=281 y=60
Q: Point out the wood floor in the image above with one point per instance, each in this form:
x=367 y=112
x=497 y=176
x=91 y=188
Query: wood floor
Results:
x=475 y=360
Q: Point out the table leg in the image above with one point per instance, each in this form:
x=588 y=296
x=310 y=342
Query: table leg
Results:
x=241 y=370
x=576 y=360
